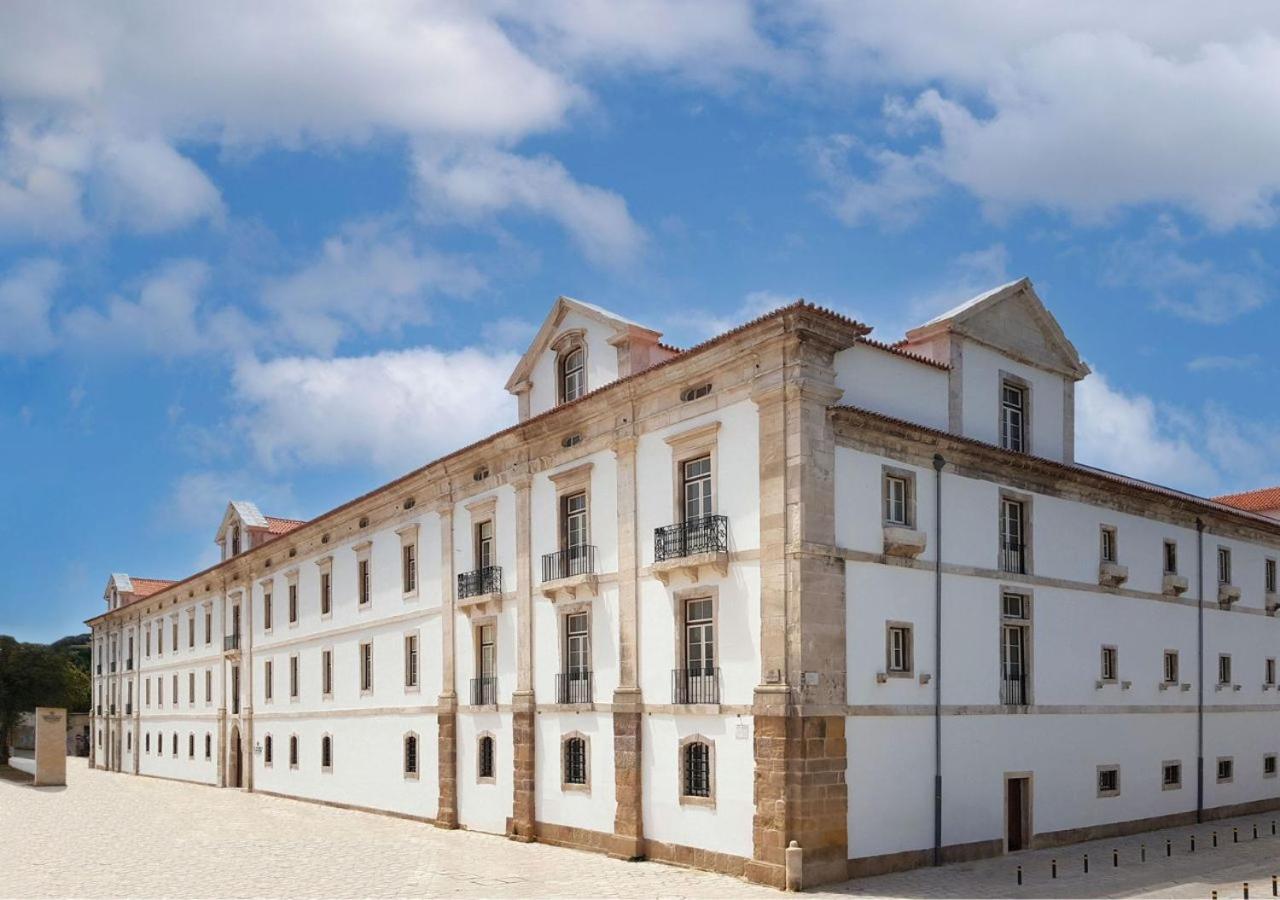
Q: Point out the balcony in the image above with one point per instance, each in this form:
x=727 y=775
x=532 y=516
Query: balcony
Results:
x=1013 y=689
x=695 y=686
x=689 y=545
x=1013 y=557
x=481 y=590
x=484 y=691
x=568 y=571
x=231 y=643
x=574 y=687
x=1173 y=584
x=1227 y=595
x=1112 y=574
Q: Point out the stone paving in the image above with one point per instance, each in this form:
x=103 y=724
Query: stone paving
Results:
x=108 y=835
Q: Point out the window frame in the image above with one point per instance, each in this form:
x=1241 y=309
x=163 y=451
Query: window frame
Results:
x=1177 y=667
x=414 y=772
x=1230 y=763
x=324 y=587
x=268 y=680
x=1269 y=575
x=326 y=749
x=570 y=344
x=295 y=753
x=1004 y=432
x=1224 y=669
x=492 y=777
x=686 y=799
x=412 y=647
x=683 y=599
x=293 y=614
x=326 y=673
x=1269 y=760
x=1023 y=502
x=295 y=678
x=268 y=752
x=1165 y=784
x=1108 y=544
x=1224 y=565
x=889 y=475
x=1170 y=553
x=410 y=564
x=1107 y=769
x=364 y=575
x=365 y=659
x=1109 y=659
x=907 y=632
x=583 y=786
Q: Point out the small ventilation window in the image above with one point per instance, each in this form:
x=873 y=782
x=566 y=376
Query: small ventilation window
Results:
x=480 y=474
x=364 y=522
x=695 y=393
x=324 y=538
x=293 y=551
x=572 y=440
x=409 y=503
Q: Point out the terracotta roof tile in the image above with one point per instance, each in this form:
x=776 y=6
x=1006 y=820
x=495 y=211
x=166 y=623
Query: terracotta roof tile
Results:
x=145 y=587
x=282 y=526
x=1260 y=500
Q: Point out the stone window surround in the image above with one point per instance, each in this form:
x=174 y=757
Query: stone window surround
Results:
x=191 y=688
x=1177 y=666
x=566 y=342
x=1114 y=677
x=686 y=446
x=480 y=511
x=191 y=627
x=324 y=566
x=364 y=554
x=1230 y=761
x=416 y=686
x=1027 y=501
x=1024 y=385
x=1104 y=530
x=1169 y=542
x=584 y=788
x=268 y=752
x=1230 y=675
x=710 y=799
x=1028 y=625
x=1107 y=767
x=268 y=680
x=476 y=624
x=909 y=650
x=563 y=611
x=487 y=779
x=907 y=475
x=681 y=598
x=365 y=691
x=1229 y=573
x=268 y=604
x=567 y=483
x=208 y=623
x=326 y=736
x=295 y=678
x=293 y=598
x=1272 y=773
x=1176 y=786
x=295 y=751
x=404 y=755
x=409 y=538
x=326 y=659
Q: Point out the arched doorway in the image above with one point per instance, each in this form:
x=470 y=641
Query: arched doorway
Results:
x=236 y=778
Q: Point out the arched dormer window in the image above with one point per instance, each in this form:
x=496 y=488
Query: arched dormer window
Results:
x=235 y=541
x=573 y=373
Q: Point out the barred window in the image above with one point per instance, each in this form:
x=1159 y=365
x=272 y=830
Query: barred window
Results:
x=697 y=770
x=208 y=746
x=191 y=746
x=267 y=753
x=575 y=761
x=326 y=752
x=293 y=750
x=411 y=754
x=485 y=763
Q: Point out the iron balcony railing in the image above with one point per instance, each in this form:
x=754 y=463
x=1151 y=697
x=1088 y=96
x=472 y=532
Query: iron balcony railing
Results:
x=700 y=685
x=573 y=687
x=482 y=581
x=484 y=691
x=1013 y=689
x=705 y=534
x=1013 y=557
x=231 y=642
x=580 y=560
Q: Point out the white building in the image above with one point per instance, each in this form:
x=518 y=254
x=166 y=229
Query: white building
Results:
x=691 y=607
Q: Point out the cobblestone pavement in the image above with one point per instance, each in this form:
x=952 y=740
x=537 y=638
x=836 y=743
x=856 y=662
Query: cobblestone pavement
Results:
x=109 y=835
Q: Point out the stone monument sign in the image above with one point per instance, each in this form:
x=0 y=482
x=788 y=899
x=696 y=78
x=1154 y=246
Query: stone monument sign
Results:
x=51 y=745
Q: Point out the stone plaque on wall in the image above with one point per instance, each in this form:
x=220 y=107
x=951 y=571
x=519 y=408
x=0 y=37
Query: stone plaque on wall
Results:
x=51 y=745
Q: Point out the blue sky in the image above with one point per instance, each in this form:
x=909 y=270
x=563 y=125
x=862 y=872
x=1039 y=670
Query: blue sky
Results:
x=284 y=253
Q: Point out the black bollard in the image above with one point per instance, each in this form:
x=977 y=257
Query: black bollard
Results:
x=1255 y=831
x=1193 y=843
x=1215 y=838
x=1246 y=890
x=1086 y=863
x=1168 y=847
x=1275 y=887
x=1019 y=874
x=1143 y=853
x=1115 y=858
x=1053 y=868
x=1235 y=835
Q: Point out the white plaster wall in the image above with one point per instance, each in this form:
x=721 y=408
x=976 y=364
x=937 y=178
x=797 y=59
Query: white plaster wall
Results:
x=724 y=828
x=593 y=809
x=980 y=375
x=602 y=362
x=165 y=764
x=485 y=807
x=884 y=382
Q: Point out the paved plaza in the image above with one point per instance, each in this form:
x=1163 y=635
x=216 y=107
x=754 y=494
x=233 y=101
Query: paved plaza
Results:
x=117 y=835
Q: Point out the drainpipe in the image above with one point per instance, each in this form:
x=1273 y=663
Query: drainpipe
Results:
x=1199 y=669
x=938 y=463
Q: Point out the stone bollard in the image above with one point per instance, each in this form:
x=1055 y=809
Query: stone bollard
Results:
x=794 y=867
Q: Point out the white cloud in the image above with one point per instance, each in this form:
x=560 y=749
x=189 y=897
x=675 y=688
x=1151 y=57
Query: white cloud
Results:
x=26 y=299
x=367 y=280
x=148 y=186
x=480 y=182
x=394 y=410
x=1086 y=108
x=895 y=195
x=1224 y=363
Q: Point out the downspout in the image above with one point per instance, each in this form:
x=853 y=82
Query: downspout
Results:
x=938 y=463
x=1199 y=669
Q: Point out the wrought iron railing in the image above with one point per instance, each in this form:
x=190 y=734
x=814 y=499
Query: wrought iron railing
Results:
x=482 y=581
x=1013 y=557
x=231 y=642
x=705 y=534
x=573 y=687
x=569 y=562
x=700 y=685
x=484 y=691
x=1013 y=689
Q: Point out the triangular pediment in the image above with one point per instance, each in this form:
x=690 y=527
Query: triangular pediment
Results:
x=1013 y=320
x=242 y=511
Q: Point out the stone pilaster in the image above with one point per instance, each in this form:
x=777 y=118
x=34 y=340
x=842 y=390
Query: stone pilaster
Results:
x=524 y=815
x=447 y=717
x=628 y=820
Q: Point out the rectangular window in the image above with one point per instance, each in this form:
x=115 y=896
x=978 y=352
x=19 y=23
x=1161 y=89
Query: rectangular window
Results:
x=1270 y=577
x=326 y=672
x=899 y=649
x=1269 y=765
x=1108 y=664
x=191 y=629
x=1013 y=417
x=1170 y=666
x=175 y=688
x=577 y=645
x=208 y=625
x=293 y=677
x=326 y=592
x=159 y=637
x=409 y=567
x=160 y=691
x=484 y=545
x=268 y=680
x=191 y=688
x=485 y=657
x=293 y=603
x=1171 y=775
x=696 y=488
x=147 y=688
x=1171 y=557
x=1012 y=547
x=363 y=573
x=1108 y=781
x=1226 y=769
x=366 y=666
x=1269 y=671
x=1224 y=565
x=699 y=637
x=573 y=521
x=175 y=632
x=148 y=639
x=1224 y=668
x=896 y=500
x=410 y=660
x=266 y=610
x=1108 y=544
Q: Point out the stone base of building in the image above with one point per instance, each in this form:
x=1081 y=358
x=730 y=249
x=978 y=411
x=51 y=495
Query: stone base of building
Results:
x=447 y=767
x=523 y=825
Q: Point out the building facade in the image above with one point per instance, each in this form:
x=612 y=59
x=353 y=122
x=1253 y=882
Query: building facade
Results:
x=790 y=585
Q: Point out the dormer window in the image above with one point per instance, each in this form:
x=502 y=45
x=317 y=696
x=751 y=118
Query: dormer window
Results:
x=235 y=541
x=1013 y=416
x=573 y=378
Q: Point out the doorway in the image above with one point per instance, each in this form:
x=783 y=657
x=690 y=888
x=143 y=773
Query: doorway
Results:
x=237 y=760
x=1017 y=796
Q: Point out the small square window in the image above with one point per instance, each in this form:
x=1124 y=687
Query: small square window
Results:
x=1171 y=775
x=1269 y=765
x=1226 y=769
x=1108 y=781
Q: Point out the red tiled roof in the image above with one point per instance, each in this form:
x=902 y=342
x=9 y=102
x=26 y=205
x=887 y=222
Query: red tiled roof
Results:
x=145 y=587
x=899 y=349
x=1253 y=501
x=282 y=526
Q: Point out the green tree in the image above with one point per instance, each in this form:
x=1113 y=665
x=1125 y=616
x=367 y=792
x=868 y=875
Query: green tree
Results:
x=34 y=675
